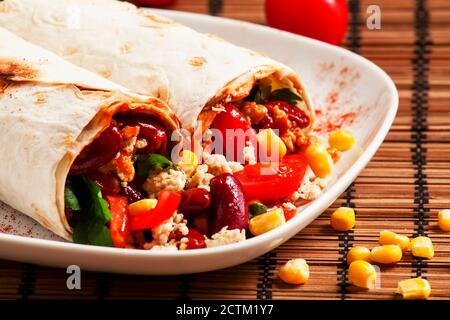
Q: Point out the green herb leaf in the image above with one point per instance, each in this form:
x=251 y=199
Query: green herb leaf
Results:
x=286 y=95
x=151 y=162
x=98 y=206
x=70 y=198
x=256 y=209
x=92 y=229
x=263 y=94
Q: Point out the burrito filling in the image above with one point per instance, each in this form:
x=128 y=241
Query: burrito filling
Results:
x=124 y=190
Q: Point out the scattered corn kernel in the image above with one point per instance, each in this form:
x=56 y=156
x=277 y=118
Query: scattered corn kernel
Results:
x=295 y=271
x=342 y=140
x=319 y=160
x=389 y=237
x=343 y=219
x=362 y=274
x=188 y=162
x=386 y=254
x=141 y=206
x=358 y=253
x=422 y=247
x=266 y=221
x=414 y=289
x=444 y=220
x=270 y=142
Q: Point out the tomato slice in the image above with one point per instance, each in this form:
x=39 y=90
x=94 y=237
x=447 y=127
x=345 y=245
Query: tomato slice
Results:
x=273 y=181
x=118 y=226
x=168 y=202
x=234 y=127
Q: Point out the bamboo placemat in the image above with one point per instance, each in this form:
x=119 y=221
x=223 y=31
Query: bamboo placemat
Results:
x=401 y=189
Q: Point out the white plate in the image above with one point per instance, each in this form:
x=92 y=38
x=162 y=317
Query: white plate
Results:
x=340 y=82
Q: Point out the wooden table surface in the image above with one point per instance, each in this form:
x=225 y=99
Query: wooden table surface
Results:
x=401 y=189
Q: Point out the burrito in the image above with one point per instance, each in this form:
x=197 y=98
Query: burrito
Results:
x=248 y=157
x=68 y=139
x=196 y=74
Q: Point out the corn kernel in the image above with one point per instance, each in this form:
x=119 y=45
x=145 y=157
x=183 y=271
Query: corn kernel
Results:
x=141 y=206
x=414 y=289
x=343 y=219
x=444 y=220
x=342 y=140
x=358 y=253
x=319 y=160
x=422 y=247
x=386 y=254
x=188 y=162
x=266 y=221
x=362 y=274
x=270 y=143
x=295 y=271
x=389 y=237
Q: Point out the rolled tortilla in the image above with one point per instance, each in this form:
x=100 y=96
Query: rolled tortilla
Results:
x=149 y=54
x=49 y=111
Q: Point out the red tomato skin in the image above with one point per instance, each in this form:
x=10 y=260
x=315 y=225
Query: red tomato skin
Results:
x=324 y=20
x=151 y=3
x=232 y=119
x=274 y=186
x=119 y=224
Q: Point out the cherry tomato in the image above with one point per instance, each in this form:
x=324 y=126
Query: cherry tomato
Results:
x=118 y=225
x=152 y=3
x=196 y=240
x=324 y=20
x=272 y=181
x=99 y=152
x=168 y=202
x=227 y=121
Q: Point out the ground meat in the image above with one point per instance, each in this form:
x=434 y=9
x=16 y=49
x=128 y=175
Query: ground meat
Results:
x=172 y=180
x=201 y=178
x=225 y=236
x=168 y=235
x=254 y=112
x=218 y=164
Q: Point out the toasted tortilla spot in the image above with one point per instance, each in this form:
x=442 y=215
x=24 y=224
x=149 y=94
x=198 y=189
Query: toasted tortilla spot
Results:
x=41 y=97
x=105 y=73
x=17 y=70
x=40 y=216
x=68 y=142
x=154 y=21
x=197 y=61
x=4 y=8
x=125 y=48
x=71 y=51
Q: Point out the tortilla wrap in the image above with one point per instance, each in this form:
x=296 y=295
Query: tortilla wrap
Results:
x=148 y=54
x=49 y=111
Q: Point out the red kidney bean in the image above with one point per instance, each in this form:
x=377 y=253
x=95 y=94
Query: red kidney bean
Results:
x=99 y=152
x=108 y=183
x=150 y=130
x=133 y=192
x=200 y=222
x=298 y=118
x=196 y=240
x=228 y=204
x=194 y=201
